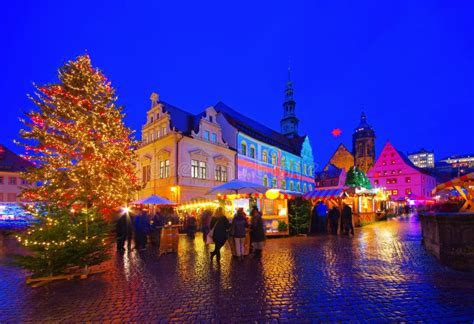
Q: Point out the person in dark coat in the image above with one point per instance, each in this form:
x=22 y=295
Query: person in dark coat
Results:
x=124 y=231
x=220 y=225
x=322 y=211
x=257 y=231
x=158 y=223
x=142 y=226
x=239 y=226
x=347 y=217
x=205 y=223
x=191 y=226
x=334 y=215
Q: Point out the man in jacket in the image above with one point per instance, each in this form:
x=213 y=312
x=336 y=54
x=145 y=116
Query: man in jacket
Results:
x=347 y=217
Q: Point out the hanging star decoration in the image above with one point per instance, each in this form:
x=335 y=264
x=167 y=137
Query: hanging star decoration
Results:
x=336 y=132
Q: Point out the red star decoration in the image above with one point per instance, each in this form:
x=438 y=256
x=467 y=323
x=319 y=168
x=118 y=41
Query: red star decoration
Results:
x=336 y=132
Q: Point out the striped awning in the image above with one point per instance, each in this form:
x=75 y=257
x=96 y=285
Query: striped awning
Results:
x=454 y=182
x=325 y=194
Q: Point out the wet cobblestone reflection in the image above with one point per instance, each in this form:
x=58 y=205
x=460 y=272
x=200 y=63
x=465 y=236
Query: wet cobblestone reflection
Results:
x=382 y=274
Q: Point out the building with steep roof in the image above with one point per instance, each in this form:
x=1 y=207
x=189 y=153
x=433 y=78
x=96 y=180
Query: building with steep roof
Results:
x=399 y=176
x=342 y=158
x=11 y=167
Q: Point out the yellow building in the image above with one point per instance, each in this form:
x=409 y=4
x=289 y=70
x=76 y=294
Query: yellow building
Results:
x=182 y=155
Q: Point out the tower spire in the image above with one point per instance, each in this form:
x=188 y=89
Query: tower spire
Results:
x=289 y=122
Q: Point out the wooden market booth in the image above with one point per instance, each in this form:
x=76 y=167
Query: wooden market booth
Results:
x=464 y=186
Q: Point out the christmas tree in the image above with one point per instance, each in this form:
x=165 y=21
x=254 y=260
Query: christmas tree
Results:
x=83 y=155
x=357 y=178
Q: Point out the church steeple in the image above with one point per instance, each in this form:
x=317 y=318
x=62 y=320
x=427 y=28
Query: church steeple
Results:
x=289 y=122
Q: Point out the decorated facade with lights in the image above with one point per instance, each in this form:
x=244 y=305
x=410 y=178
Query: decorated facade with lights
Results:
x=399 y=176
x=282 y=160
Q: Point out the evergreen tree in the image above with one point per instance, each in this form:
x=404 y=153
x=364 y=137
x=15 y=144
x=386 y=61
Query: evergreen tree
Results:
x=299 y=212
x=83 y=155
x=357 y=178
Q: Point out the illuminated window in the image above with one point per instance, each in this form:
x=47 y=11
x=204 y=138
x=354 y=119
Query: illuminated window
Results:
x=264 y=156
x=283 y=184
x=392 y=162
x=310 y=187
x=384 y=163
x=297 y=167
x=206 y=135
x=291 y=165
x=198 y=169
x=395 y=192
x=265 y=181
x=310 y=172
x=146 y=173
x=158 y=133
x=163 y=131
x=12 y=180
x=252 y=151
x=376 y=182
x=305 y=168
x=408 y=191
x=274 y=183
x=213 y=138
x=221 y=173
x=274 y=158
x=292 y=186
x=305 y=187
x=298 y=186
x=283 y=162
x=407 y=179
x=243 y=148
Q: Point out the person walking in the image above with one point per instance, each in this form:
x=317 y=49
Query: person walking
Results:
x=314 y=221
x=257 y=231
x=239 y=226
x=124 y=231
x=205 y=224
x=347 y=217
x=322 y=211
x=191 y=226
x=220 y=231
x=334 y=215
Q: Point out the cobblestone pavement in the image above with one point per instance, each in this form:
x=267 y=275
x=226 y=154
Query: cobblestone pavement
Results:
x=383 y=274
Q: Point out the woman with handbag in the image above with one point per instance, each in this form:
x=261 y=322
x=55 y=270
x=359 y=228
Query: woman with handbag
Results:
x=219 y=232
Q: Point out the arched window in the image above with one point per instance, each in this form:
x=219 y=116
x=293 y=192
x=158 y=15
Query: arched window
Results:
x=283 y=184
x=305 y=168
x=243 y=148
x=291 y=165
x=310 y=171
x=298 y=186
x=265 y=181
x=297 y=167
x=292 y=186
x=274 y=183
x=252 y=151
x=283 y=162
x=305 y=188
x=265 y=156
x=310 y=187
x=274 y=158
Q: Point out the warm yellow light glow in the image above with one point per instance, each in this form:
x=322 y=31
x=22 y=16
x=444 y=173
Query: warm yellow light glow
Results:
x=174 y=189
x=125 y=210
x=272 y=194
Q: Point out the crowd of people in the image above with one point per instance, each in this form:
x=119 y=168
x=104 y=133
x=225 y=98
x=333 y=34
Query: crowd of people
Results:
x=141 y=226
x=335 y=220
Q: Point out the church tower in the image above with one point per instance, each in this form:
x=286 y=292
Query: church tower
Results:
x=289 y=122
x=363 y=145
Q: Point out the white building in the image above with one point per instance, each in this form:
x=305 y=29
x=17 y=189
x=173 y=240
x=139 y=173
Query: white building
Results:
x=422 y=159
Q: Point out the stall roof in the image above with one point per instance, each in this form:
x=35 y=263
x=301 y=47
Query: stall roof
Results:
x=325 y=193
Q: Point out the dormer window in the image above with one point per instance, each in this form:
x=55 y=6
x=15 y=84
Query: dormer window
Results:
x=206 y=135
x=210 y=119
x=214 y=138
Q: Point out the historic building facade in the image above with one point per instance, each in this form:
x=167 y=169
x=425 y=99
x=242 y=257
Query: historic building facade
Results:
x=182 y=155
x=281 y=160
x=11 y=166
x=423 y=158
x=363 y=145
x=399 y=176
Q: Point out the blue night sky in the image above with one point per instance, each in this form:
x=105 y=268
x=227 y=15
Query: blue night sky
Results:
x=408 y=64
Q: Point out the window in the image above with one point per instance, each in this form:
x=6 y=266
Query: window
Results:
x=202 y=169
x=24 y=182
x=265 y=156
x=385 y=172
x=384 y=163
x=210 y=119
x=297 y=167
x=221 y=173
x=298 y=186
x=164 y=169
x=1 y=196
x=158 y=135
x=376 y=182
x=310 y=172
x=291 y=165
x=163 y=131
x=194 y=169
x=392 y=162
x=198 y=169
x=146 y=173
x=283 y=162
x=274 y=158
x=395 y=192
x=265 y=181
x=283 y=184
x=305 y=187
x=407 y=191
x=151 y=119
x=310 y=187
x=274 y=183
x=12 y=180
x=11 y=197
x=1 y=180
x=305 y=168
x=407 y=179
x=393 y=172
x=252 y=151
x=243 y=148
x=292 y=186
x=206 y=135
x=214 y=138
